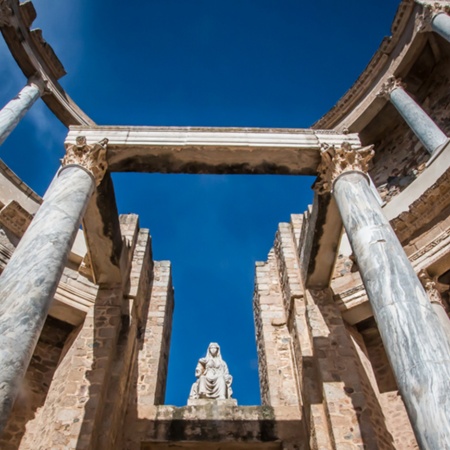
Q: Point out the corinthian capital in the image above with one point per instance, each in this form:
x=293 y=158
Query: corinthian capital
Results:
x=431 y=286
x=430 y=10
x=91 y=157
x=390 y=84
x=5 y=13
x=338 y=160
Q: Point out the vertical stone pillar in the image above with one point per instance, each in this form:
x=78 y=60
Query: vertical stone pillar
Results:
x=153 y=359
x=29 y=281
x=430 y=286
x=275 y=357
x=435 y=18
x=431 y=136
x=416 y=344
x=12 y=112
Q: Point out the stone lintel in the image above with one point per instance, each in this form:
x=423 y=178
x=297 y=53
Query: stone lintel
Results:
x=212 y=150
x=102 y=233
x=324 y=236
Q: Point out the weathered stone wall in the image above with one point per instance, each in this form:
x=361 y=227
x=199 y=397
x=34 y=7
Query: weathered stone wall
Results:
x=335 y=373
x=274 y=343
x=216 y=426
x=36 y=383
x=79 y=383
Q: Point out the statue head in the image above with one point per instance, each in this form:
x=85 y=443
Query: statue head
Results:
x=213 y=350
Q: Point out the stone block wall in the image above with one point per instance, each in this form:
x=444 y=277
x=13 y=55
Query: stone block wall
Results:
x=38 y=378
x=275 y=351
x=216 y=426
x=81 y=379
x=334 y=373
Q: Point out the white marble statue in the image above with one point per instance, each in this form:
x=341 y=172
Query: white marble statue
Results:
x=213 y=379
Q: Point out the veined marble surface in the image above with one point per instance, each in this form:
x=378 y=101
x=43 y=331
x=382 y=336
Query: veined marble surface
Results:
x=415 y=342
x=29 y=281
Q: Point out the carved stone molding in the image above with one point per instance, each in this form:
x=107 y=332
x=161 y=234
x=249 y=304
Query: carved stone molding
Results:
x=338 y=160
x=91 y=157
x=5 y=13
x=431 y=286
x=391 y=84
x=430 y=10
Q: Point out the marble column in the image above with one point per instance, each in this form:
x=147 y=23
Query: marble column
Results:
x=435 y=18
x=431 y=136
x=28 y=283
x=415 y=342
x=13 y=111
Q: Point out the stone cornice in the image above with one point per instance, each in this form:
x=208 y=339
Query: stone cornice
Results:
x=213 y=150
x=90 y=157
x=35 y=56
x=18 y=183
x=402 y=45
x=338 y=160
x=5 y=13
x=430 y=10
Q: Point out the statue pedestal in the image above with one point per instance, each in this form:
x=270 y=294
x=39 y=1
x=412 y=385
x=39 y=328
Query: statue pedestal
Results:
x=211 y=401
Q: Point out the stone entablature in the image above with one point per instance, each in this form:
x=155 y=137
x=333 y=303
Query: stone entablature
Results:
x=35 y=56
x=212 y=150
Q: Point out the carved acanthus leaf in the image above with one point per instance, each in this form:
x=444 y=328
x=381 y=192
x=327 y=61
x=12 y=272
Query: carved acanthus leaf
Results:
x=391 y=84
x=5 y=13
x=91 y=157
x=430 y=10
x=431 y=286
x=337 y=160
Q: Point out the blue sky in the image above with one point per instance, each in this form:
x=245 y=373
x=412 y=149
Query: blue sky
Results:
x=259 y=63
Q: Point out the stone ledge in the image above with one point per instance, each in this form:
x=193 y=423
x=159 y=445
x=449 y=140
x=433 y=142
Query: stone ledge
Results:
x=212 y=402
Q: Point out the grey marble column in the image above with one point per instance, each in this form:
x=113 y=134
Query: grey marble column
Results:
x=434 y=17
x=441 y=25
x=431 y=136
x=12 y=112
x=29 y=281
x=415 y=342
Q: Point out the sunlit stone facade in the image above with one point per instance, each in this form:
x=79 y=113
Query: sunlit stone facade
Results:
x=351 y=306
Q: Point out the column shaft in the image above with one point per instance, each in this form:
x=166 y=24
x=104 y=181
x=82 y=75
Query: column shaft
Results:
x=431 y=136
x=414 y=340
x=443 y=318
x=441 y=25
x=29 y=281
x=13 y=111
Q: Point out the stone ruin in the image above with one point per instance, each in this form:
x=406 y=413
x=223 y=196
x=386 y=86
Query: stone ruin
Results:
x=352 y=327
